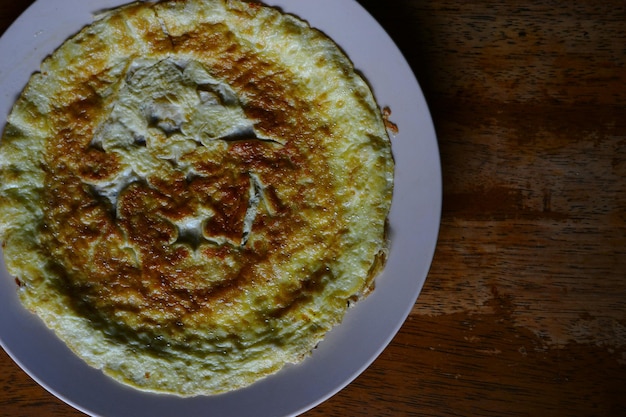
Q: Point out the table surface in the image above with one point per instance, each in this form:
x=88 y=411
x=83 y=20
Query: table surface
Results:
x=524 y=310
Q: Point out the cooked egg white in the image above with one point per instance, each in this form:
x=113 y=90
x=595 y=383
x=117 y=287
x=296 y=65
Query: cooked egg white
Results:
x=193 y=192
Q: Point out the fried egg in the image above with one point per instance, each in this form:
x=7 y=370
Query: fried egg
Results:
x=193 y=193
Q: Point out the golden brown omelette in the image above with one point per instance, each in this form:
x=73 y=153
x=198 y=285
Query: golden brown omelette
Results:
x=193 y=192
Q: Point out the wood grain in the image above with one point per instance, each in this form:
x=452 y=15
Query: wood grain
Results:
x=524 y=309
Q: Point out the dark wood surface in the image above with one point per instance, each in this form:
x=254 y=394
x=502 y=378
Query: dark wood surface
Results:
x=524 y=309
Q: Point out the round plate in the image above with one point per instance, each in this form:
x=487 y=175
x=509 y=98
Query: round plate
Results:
x=367 y=328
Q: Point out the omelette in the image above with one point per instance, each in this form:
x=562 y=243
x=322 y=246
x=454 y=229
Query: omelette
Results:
x=194 y=192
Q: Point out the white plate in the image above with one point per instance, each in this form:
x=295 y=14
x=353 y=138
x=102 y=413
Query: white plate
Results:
x=367 y=329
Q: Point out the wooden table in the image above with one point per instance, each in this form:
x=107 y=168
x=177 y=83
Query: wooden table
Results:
x=524 y=310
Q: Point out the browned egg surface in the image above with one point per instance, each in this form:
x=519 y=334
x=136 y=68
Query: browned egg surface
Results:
x=194 y=191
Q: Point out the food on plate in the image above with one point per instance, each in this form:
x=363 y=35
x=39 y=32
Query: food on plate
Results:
x=192 y=193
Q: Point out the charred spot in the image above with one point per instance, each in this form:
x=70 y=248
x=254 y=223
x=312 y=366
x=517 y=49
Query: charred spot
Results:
x=391 y=126
x=218 y=251
x=230 y=205
x=137 y=211
x=98 y=165
x=316 y=282
x=84 y=108
x=247 y=150
x=209 y=37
